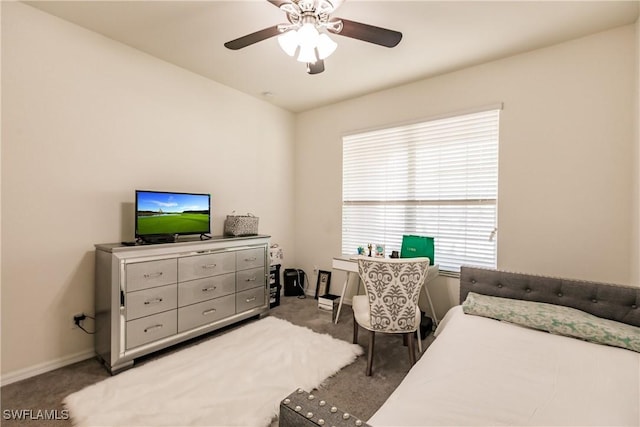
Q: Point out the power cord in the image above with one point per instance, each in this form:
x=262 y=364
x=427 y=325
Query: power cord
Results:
x=304 y=294
x=79 y=318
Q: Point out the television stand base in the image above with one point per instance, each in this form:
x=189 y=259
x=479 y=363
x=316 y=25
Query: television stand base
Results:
x=160 y=238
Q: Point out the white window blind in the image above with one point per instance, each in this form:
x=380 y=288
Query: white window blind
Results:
x=437 y=178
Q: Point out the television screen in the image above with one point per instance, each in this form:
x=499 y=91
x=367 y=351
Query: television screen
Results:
x=162 y=213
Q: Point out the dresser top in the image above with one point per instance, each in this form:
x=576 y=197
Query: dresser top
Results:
x=182 y=241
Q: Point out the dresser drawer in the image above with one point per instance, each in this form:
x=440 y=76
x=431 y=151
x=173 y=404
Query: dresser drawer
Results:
x=248 y=279
x=203 y=289
x=151 y=328
x=144 y=275
x=195 y=315
x=198 y=266
x=250 y=258
x=151 y=301
x=246 y=300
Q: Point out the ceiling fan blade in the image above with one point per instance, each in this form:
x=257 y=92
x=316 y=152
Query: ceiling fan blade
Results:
x=278 y=3
x=315 y=68
x=368 y=33
x=252 y=38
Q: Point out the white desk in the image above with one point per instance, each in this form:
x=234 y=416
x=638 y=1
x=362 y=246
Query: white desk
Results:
x=349 y=263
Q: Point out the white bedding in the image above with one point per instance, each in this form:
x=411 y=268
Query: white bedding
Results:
x=481 y=371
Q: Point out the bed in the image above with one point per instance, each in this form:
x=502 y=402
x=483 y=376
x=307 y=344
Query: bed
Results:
x=482 y=371
x=526 y=350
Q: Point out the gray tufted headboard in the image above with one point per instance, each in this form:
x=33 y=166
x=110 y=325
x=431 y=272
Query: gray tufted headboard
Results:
x=614 y=302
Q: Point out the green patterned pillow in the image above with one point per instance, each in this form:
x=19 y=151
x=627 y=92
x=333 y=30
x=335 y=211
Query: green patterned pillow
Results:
x=556 y=319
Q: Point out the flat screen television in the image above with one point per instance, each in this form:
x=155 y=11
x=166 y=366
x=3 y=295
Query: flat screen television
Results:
x=162 y=213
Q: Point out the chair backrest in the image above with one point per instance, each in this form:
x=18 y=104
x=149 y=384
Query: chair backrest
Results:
x=393 y=287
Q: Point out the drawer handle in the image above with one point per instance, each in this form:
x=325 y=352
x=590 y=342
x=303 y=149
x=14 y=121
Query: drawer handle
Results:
x=208 y=312
x=153 y=275
x=151 y=328
x=153 y=301
x=209 y=266
x=250 y=259
x=250 y=299
x=209 y=289
x=251 y=279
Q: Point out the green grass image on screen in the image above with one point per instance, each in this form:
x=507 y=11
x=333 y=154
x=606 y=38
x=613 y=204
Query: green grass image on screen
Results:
x=173 y=224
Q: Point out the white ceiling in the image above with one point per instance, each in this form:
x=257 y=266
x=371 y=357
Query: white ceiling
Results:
x=438 y=37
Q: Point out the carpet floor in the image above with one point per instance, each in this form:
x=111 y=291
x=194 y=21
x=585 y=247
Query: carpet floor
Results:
x=349 y=389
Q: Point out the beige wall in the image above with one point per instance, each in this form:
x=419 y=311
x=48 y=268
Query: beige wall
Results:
x=83 y=118
x=85 y=121
x=635 y=226
x=566 y=164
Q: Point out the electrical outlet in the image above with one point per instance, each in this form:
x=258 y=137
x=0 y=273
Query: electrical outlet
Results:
x=76 y=319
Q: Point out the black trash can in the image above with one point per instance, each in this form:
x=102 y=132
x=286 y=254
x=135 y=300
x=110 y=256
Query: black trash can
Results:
x=293 y=282
x=426 y=325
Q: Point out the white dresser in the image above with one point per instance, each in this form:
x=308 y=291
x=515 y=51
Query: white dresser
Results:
x=152 y=296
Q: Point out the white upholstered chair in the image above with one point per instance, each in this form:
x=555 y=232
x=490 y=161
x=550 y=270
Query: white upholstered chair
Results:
x=391 y=302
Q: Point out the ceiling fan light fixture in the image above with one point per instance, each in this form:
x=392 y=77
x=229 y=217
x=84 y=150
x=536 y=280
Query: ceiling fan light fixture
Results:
x=307 y=54
x=326 y=46
x=308 y=35
x=289 y=42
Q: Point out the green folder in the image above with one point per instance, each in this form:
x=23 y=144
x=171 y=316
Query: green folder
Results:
x=417 y=246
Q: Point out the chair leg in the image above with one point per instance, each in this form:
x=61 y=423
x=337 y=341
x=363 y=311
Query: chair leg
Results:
x=372 y=338
x=419 y=341
x=355 y=330
x=412 y=351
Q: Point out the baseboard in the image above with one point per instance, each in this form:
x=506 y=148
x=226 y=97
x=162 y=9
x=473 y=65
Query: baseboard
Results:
x=41 y=368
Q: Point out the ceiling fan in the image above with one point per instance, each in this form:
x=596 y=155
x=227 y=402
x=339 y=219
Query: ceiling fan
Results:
x=306 y=32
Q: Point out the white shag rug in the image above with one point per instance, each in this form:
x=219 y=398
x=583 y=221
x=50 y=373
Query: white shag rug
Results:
x=236 y=379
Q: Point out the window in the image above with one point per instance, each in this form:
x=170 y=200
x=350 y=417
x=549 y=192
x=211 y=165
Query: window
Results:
x=437 y=178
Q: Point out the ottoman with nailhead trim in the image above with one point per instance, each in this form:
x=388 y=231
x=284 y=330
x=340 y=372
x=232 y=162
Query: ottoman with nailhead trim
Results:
x=301 y=409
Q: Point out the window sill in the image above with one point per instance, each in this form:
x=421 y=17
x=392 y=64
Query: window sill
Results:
x=453 y=274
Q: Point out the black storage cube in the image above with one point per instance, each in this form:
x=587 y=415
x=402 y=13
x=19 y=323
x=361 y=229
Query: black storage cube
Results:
x=274 y=285
x=274 y=295
x=293 y=282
